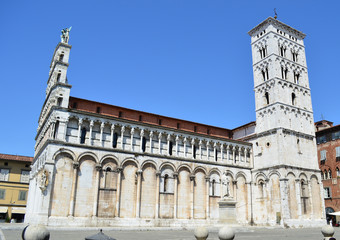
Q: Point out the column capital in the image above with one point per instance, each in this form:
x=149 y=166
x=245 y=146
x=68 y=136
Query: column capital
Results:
x=75 y=165
x=91 y=123
x=142 y=133
x=132 y=131
x=207 y=178
x=119 y=169
x=185 y=140
x=151 y=134
x=102 y=125
x=122 y=129
x=169 y=137
x=158 y=173
x=139 y=172
x=192 y=177
x=200 y=142
x=113 y=126
x=193 y=141
x=98 y=167
x=175 y=174
x=80 y=121
x=177 y=138
x=160 y=135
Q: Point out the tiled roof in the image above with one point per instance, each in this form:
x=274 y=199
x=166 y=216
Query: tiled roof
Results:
x=15 y=158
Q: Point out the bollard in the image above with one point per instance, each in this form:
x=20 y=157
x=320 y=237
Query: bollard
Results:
x=226 y=233
x=201 y=233
x=35 y=232
x=327 y=232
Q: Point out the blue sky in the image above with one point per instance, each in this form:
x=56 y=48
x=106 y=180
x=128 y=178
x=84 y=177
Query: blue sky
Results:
x=188 y=59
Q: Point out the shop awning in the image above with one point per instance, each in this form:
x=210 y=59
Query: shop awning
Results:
x=18 y=210
x=335 y=213
x=3 y=209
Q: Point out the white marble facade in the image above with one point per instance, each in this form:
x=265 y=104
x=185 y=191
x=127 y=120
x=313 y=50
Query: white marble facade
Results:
x=92 y=169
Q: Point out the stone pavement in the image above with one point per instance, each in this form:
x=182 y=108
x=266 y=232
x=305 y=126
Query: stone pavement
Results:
x=13 y=232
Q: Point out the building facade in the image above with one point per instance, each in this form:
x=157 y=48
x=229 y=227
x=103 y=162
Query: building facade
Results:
x=14 y=180
x=101 y=165
x=328 y=144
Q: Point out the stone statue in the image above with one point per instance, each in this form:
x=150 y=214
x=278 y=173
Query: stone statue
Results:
x=226 y=186
x=43 y=180
x=65 y=35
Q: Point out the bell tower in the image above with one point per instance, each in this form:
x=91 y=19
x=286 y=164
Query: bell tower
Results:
x=284 y=114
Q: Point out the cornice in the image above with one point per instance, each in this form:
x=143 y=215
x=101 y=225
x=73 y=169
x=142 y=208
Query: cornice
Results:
x=283 y=58
x=276 y=79
x=277 y=23
x=57 y=47
x=284 y=104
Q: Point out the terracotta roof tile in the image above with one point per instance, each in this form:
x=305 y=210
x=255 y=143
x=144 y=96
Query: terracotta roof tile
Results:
x=15 y=158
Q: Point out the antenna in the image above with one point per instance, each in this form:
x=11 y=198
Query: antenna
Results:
x=275 y=13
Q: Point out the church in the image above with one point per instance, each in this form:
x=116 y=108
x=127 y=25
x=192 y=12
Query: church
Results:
x=97 y=164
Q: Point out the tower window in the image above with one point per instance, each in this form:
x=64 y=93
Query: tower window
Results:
x=266 y=95
x=56 y=128
x=284 y=72
x=83 y=135
x=115 y=138
x=143 y=144
x=58 y=77
x=61 y=57
x=265 y=74
x=296 y=78
x=170 y=148
x=98 y=110
x=295 y=56
x=282 y=51
x=293 y=99
x=60 y=100
x=263 y=52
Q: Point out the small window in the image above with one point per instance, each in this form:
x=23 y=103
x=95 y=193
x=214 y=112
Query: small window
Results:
x=58 y=77
x=4 y=173
x=61 y=57
x=60 y=101
x=178 y=125
x=323 y=155
x=143 y=144
x=56 y=128
x=22 y=195
x=166 y=182
x=282 y=51
x=98 y=110
x=120 y=114
x=295 y=56
x=213 y=184
x=75 y=105
x=208 y=131
x=2 y=193
x=83 y=135
x=195 y=129
x=170 y=148
x=284 y=72
x=6 y=163
x=329 y=174
x=216 y=154
x=327 y=192
x=115 y=138
x=266 y=95
x=194 y=152
x=25 y=176
x=140 y=118
x=159 y=121
x=296 y=77
x=293 y=99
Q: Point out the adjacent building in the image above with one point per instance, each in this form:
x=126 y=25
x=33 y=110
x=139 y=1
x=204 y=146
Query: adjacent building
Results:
x=97 y=164
x=328 y=143
x=14 y=180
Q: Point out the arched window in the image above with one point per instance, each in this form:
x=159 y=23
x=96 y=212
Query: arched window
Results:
x=60 y=101
x=213 y=185
x=143 y=144
x=58 y=77
x=329 y=174
x=325 y=174
x=293 y=99
x=266 y=95
x=194 y=153
x=261 y=189
x=166 y=182
x=115 y=138
x=337 y=172
x=108 y=177
x=83 y=135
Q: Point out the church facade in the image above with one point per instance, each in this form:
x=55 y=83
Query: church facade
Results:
x=102 y=165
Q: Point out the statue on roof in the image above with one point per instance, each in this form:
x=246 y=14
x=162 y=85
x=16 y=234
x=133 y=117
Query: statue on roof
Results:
x=65 y=35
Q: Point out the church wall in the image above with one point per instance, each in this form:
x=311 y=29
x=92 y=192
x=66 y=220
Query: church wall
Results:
x=128 y=191
x=199 y=191
x=184 y=193
x=148 y=192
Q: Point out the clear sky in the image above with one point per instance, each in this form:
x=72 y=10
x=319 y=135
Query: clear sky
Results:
x=188 y=59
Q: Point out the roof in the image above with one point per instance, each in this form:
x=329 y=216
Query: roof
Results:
x=328 y=130
x=148 y=118
x=277 y=23
x=15 y=158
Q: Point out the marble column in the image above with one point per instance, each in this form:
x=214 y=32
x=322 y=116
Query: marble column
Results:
x=101 y=134
x=192 y=181
x=168 y=139
x=207 y=190
x=80 y=122
x=193 y=148
x=200 y=146
x=122 y=136
x=185 y=147
x=90 y=136
x=139 y=180
x=151 y=142
x=74 y=188
x=160 y=143
x=96 y=190
x=222 y=155
x=141 y=140
x=158 y=175
x=65 y=129
x=175 y=194
x=112 y=133
x=298 y=196
x=177 y=139
x=132 y=133
x=119 y=177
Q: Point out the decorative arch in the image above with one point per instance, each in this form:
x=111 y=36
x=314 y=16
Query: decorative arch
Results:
x=291 y=173
x=152 y=162
x=215 y=170
x=184 y=166
x=274 y=172
x=130 y=160
x=230 y=173
x=200 y=168
x=303 y=176
x=241 y=174
x=109 y=156
x=260 y=175
x=63 y=151
x=94 y=156
x=171 y=165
